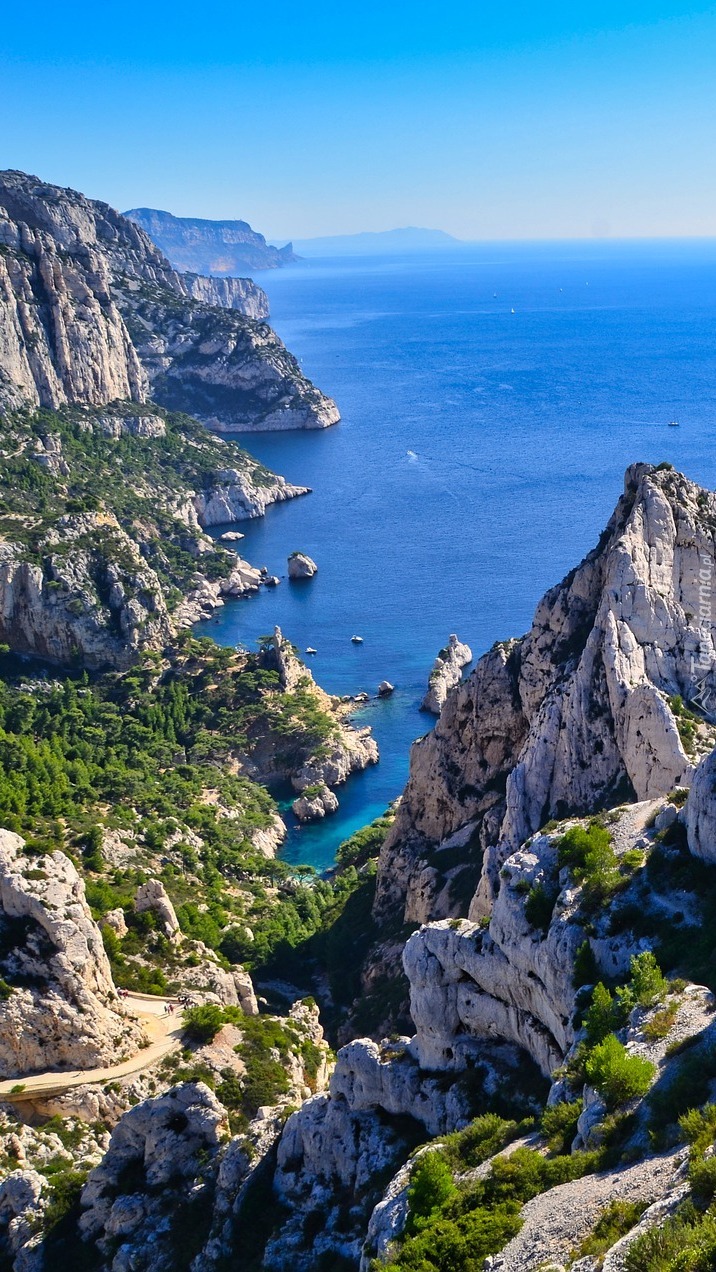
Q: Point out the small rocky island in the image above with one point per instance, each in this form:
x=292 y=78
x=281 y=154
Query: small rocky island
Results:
x=301 y=566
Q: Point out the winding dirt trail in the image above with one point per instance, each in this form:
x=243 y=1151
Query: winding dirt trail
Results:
x=164 y=1033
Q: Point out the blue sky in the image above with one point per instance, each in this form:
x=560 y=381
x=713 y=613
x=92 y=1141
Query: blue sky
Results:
x=509 y=120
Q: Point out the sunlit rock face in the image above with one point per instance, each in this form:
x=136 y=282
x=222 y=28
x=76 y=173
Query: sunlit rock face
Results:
x=576 y=715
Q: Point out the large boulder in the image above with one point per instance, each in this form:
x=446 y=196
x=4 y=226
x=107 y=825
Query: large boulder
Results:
x=152 y=896
x=301 y=566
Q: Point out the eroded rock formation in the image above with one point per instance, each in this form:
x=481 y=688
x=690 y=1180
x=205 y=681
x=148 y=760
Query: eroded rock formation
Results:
x=576 y=715
x=59 y=1008
x=446 y=673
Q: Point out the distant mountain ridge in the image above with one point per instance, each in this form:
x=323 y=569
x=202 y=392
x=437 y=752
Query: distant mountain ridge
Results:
x=410 y=238
x=222 y=249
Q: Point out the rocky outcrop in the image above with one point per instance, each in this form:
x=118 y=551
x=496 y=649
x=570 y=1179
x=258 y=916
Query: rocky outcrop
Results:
x=91 y=312
x=580 y=712
x=343 y=749
x=701 y=811
x=206 y=979
x=59 y=1009
x=232 y=374
x=151 y=1174
x=229 y=293
x=471 y=982
x=152 y=896
x=210 y=247
x=446 y=673
x=350 y=750
x=315 y=803
x=92 y=597
x=234 y=496
x=380 y=1102
x=301 y=566
x=23 y=1201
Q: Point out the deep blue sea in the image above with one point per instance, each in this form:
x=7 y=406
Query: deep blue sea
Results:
x=491 y=399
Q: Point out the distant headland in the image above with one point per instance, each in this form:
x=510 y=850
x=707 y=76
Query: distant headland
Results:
x=370 y=243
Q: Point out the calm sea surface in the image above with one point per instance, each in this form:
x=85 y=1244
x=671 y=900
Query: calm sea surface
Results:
x=480 y=454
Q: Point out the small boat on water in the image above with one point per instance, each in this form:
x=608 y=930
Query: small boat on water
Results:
x=311 y=650
x=674 y=424
x=357 y=640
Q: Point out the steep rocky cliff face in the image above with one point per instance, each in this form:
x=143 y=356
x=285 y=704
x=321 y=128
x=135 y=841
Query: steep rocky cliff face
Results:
x=229 y=293
x=91 y=312
x=583 y=711
x=218 y=248
x=59 y=1007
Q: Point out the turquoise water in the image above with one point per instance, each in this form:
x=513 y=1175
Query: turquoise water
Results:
x=479 y=456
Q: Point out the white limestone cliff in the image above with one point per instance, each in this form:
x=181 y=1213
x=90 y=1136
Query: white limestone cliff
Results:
x=578 y=713
x=60 y=1009
x=93 y=597
x=91 y=312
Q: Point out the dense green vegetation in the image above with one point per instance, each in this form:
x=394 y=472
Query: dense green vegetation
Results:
x=147 y=755
x=455 y=1223
x=686 y=1241
x=139 y=479
x=618 y=1076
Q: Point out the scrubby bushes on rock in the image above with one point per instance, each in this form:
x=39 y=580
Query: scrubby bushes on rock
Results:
x=618 y=1076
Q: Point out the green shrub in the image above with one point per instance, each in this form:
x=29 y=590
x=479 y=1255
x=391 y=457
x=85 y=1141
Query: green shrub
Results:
x=431 y=1184
x=461 y=1244
x=698 y=1127
x=539 y=906
x=203 y=1023
x=618 y=1076
x=602 y=1015
x=702 y=1177
x=661 y=1023
x=559 y=1124
x=466 y=1149
x=65 y=1188
x=586 y=970
x=647 y=982
x=589 y=854
x=613 y=1223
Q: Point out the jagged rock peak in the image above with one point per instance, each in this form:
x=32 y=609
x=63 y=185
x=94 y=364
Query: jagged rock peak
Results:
x=582 y=712
x=446 y=673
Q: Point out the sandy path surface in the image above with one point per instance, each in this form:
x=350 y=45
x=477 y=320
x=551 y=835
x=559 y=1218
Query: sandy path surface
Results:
x=162 y=1029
